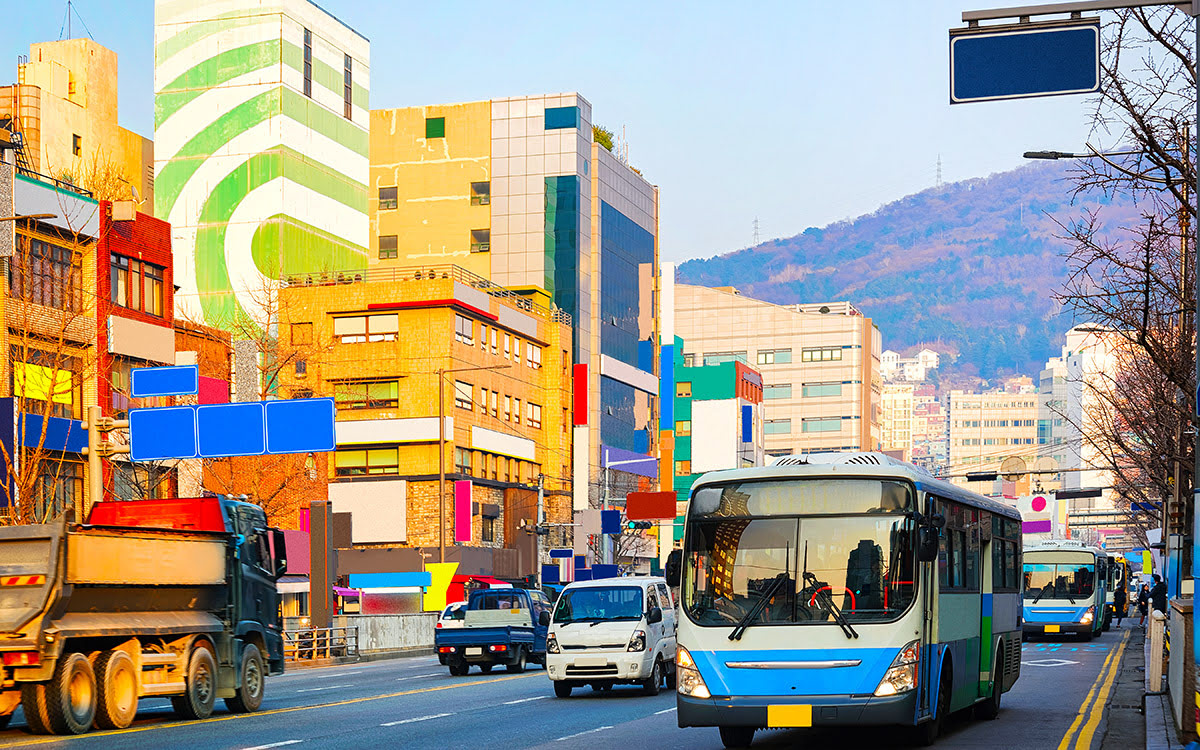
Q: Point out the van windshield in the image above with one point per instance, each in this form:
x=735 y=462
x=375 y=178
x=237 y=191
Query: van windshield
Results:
x=599 y=603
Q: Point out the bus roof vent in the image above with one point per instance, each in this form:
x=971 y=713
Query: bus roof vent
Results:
x=852 y=459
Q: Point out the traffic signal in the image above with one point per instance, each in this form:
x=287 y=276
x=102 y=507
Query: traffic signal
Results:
x=635 y=525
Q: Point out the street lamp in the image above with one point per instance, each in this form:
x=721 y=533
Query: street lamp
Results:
x=441 y=373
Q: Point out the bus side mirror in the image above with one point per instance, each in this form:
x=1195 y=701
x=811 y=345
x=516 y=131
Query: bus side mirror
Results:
x=927 y=543
x=673 y=570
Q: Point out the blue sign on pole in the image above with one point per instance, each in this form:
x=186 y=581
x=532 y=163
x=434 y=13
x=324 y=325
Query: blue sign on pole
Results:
x=1025 y=60
x=300 y=425
x=231 y=429
x=164 y=381
x=161 y=433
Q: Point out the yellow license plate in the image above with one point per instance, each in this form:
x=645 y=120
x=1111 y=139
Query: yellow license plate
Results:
x=1053 y=629
x=789 y=716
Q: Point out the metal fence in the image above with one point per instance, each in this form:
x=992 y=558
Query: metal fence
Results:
x=320 y=643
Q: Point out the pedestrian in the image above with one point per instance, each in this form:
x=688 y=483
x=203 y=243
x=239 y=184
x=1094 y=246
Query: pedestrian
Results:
x=1158 y=594
x=1119 y=603
x=1143 y=601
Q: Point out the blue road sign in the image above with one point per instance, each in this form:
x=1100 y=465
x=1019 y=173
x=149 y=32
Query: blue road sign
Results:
x=1024 y=60
x=231 y=429
x=165 y=381
x=161 y=433
x=300 y=425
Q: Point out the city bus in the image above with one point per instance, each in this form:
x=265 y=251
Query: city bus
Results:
x=1065 y=588
x=1118 y=578
x=844 y=590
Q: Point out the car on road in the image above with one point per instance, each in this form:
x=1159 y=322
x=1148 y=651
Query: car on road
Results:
x=453 y=616
x=613 y=631
x=500 y=626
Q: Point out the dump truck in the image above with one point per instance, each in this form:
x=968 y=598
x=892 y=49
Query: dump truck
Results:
x=167 y=598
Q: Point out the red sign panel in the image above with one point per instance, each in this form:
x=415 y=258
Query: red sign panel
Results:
x=579 y=382
x=650 y=506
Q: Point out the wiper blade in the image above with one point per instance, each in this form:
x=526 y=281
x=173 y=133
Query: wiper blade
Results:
x=827 y=599
x=758 y=607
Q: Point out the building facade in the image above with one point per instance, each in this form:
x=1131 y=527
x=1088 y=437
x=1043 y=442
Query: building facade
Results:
x=819 y=363
x=995 y=432
x=261 y=160
x=898 y=418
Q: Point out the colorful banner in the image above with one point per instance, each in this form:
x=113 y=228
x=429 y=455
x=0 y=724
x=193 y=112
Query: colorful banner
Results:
x=462 y=510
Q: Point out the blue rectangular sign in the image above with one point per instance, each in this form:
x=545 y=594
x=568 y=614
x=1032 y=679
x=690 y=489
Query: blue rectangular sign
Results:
x=413 y=579
x=161 y=433
x=747 y=423
x=610 y=522
x=1024 y=60
x=231 y=429
x=164 y=381
x=300 y=425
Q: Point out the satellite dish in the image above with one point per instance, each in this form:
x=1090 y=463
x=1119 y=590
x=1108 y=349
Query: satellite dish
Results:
x=1013 y=468
x=136 y=198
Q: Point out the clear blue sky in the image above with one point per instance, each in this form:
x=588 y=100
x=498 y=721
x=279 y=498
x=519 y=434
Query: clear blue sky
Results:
x=799 y=113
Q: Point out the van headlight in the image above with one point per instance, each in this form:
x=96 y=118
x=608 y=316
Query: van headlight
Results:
x=638 y=641
x=1088 y=616
x=687 y=678
x=552 y=644
x=902 y=675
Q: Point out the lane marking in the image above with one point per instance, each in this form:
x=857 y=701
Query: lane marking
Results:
x=257 y=714
x=1083 y=708
x=580 y=734
x=275 y=744
x=1089 y=729
x=342 y=674
x=418 y=676
x=665 y=711
x=415 y=719
x=327 y=687
x=1046 y=663
x=526 y=700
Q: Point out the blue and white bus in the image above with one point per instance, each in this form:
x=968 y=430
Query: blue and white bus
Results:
x=844 y=589
x=1065 y=588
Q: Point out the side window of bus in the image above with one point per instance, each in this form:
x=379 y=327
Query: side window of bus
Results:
x=958 y=553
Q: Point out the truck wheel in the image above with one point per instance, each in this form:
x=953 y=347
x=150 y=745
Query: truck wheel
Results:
x=68 y=700
x=118 y=690
x=249 y=696
x=519 y=665
x=651 y=684
x=562 y=689
x=459 y=670
x=485 y=668
x=671 y=676
x=33 y=703
x=201 y=692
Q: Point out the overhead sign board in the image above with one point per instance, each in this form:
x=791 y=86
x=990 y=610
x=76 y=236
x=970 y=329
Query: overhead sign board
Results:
x=183 y=380
x=162 y=433
x=300 y=425
x=1019 y=61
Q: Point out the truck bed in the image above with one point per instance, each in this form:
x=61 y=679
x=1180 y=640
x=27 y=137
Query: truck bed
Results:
x=507 y=635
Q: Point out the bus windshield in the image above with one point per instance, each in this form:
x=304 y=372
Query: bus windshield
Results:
x=742 y=539
x=1059 y=580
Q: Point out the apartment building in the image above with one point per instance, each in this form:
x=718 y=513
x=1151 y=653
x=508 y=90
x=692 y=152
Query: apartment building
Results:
x=994 y=432
x=898 y=418
x=819 y=362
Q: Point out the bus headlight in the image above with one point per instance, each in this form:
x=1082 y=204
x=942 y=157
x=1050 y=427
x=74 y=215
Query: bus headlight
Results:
x=552 y=644
x=1089 y=615
x=687 y=677
x=902 y=675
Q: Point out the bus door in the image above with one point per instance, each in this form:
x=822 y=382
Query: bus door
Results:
x=927 y=573
x=986 y=639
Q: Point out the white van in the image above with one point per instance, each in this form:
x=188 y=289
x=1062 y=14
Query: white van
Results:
x=614 y=631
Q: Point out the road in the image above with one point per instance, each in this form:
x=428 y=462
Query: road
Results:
x=415 y=703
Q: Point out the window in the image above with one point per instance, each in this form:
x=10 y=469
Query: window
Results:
x=683 y=390
x=366 y=394
x=775 y=357
x=481 y=240
x=777 y=391
x=302 y=334
x=347 y=90
x=464 y=329
x=683 y=428
x=508 y=408
x=462 y=460
x=507 y=345
x=77 y=145
x=533 y=356
x=308 y=63
x=487 y=529
x=516 y=350
x=821 y=424
x=717 y=358
x=435 y=127
x=535 y=415
x=357 y=463
x=462 y=395
x=301 y=368
x=388 y=248
x=683 y=468
x=821 y=354
x=814 y=390
x=483 y=336
x=481 y=193
x=558 y=118
x=516 y=414
x=778 y=427
x=494 y=402
x=46 y=274
x=358 y=329
x=387 y=198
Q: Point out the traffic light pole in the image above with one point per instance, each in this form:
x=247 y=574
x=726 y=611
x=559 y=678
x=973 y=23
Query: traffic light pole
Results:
x=97 y=449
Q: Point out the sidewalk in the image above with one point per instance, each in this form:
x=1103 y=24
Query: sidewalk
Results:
x=1126 y=726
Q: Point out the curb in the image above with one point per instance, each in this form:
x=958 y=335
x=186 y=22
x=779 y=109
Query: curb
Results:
x=400 y=653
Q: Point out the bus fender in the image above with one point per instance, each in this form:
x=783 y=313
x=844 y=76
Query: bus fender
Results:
x=945 y=662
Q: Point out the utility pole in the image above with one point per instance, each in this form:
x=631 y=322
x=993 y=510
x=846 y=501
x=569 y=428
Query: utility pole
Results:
x=97 y=449
x=441 y=373
x=539 y=521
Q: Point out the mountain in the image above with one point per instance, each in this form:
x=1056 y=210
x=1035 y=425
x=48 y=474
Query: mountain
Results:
x=969 y=268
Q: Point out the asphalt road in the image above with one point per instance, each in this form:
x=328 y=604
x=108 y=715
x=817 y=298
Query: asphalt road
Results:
x=415 y=703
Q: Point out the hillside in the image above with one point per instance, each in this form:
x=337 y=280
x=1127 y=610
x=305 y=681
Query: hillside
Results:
x=970 y=267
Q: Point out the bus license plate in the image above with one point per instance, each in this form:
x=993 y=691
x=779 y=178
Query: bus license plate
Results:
x=1053 y=629
x=473 y=651
x=789 y=716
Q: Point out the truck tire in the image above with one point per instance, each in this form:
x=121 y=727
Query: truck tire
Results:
x=33 y=703
x=200 y=695
x=69 y=696
x=518 y=666
x=651 y=684
x=562 y=689
x=485 y=668
x=118 y=693
x=249 y=695
x=459 y=669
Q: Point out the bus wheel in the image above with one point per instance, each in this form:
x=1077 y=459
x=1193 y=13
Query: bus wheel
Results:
x=927 y=733
x=990 y=708
x=735 y=737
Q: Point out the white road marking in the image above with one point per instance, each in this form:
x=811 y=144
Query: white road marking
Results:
x=1049 y=662
x=418 y=676
x=275 y=744
x=526 y=700
x=342 y=674
x=318 y=689
x=414 y=720
x=580 y=734
x=664 y=711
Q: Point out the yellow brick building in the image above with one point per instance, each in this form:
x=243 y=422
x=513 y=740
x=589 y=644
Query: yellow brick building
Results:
x=376 y=342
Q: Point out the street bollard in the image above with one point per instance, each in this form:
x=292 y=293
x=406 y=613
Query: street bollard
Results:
x=1154 y=670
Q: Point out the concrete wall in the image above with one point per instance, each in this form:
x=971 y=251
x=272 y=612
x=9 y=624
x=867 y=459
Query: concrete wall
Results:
x=377 y=633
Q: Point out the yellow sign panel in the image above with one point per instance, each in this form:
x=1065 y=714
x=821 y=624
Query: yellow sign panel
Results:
x=789 y=716
x=1053 y=629
x=442 y=574
x=41 y=383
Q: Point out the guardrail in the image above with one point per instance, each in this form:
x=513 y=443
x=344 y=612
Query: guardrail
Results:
x=320 y=643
